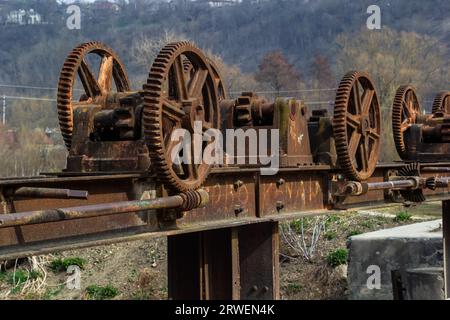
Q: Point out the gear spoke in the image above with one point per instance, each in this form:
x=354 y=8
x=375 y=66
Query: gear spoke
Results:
x=357 y=98
x=364 y=155
x=405 y=125
x=197 y=82
x=90 y=84
x=374 y=135
x=105 y=75
x=367 y=101
x=180 y=79
x=172 y=110
x=353 y=120
x=354 y=143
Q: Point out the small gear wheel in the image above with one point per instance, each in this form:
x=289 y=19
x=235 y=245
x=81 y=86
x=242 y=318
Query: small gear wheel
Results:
x=357 y=126
x=416 y=195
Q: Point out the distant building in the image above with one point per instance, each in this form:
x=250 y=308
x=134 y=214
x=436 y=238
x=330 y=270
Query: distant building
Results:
x=23 y=17
x=106 y=6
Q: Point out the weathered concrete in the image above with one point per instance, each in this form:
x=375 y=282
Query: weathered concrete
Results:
x=413 y=246
x=424 y=284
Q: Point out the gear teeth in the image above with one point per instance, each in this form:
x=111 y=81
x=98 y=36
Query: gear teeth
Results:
x=411 y=170
x=67 y=79
x=340 y=127
x=397 y=110
x=440 y=101
x=152 y=115
x=431 y=183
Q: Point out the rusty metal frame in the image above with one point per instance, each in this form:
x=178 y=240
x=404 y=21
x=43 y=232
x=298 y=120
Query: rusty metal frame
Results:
x=238 y=197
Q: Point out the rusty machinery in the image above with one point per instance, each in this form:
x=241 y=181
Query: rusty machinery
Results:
x=120 y=181
x=110 y=128
x=419 y=136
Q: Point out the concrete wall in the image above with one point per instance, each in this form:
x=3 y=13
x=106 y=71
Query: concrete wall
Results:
x=413 y=246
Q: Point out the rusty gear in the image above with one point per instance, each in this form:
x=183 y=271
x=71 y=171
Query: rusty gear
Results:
x=357 y=126
x=222 y=92
x=416 y=195
x=95 y=89
x=406 y=108
x=442 y=102
x=176 y=97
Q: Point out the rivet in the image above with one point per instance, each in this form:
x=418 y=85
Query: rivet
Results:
x=280 y=205
x=237 y=184
x=280 y=182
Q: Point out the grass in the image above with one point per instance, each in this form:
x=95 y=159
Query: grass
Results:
x=96 y=292
x=353 y=233
x=337 y=257
x=332 y=219
x=59 y=264
x=296 y=225
x=293 y=288
x=18 y=278
x=402 y=216
x=330 y=235
x=52 y=292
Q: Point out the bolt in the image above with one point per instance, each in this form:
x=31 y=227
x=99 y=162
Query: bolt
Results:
x=238 y=209
x=280 y=205
x=237 y=184
x=280 y=182
x=266 y=288
x=255 y=288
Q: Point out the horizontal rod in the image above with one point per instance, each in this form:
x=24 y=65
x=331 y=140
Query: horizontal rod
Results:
x=399 y=184
x=358 y=188
x=33 y=192
x=184 y=202
x=435 y=169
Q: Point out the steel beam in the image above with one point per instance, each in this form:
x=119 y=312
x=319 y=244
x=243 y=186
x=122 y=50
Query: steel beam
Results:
x=225 y=264
x=446 y=240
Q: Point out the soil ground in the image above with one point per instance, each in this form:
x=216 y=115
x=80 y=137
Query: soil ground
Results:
x=137 y=270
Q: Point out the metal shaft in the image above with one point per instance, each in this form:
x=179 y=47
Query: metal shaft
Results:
x=186 y=202
x=358 y=188
x=30 y=192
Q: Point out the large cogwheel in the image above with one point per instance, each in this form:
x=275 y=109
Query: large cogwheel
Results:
x=181 y=93
x=95 y=86
x=405 y=110
x=357 y=126
x=442 y=102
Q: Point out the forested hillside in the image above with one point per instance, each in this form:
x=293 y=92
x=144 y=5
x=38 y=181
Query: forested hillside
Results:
x=241 y=33
x=317 y=40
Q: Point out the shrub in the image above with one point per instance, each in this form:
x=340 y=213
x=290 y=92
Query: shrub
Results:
x=101 y=293
x=337 y=257
x=330 y=235
x=59 y=264
x=402 y=216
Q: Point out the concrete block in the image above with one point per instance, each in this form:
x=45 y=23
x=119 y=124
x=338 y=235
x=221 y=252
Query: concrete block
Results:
x=412 y=246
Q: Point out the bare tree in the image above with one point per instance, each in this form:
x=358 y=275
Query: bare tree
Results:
x=392 y=59
x=276 y=71
x=145 y=49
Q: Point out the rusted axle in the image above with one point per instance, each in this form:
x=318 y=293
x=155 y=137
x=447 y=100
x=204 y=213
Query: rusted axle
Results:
x=354 y=188
x=185 y=202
